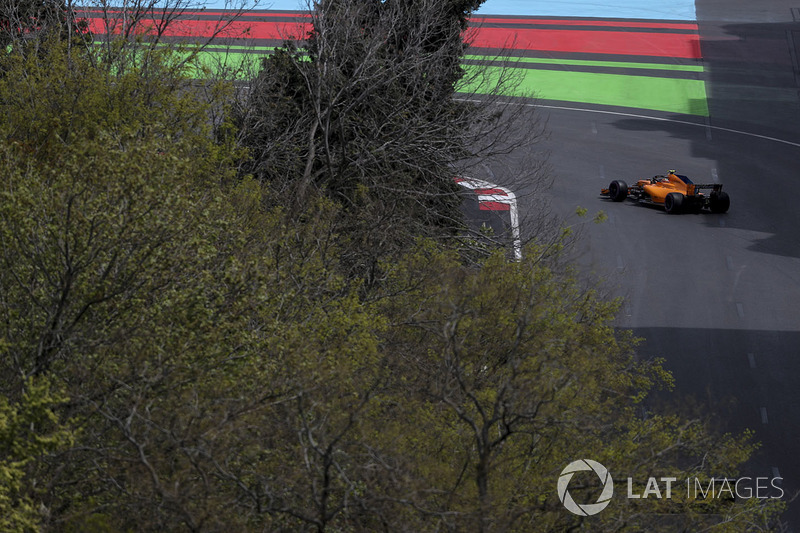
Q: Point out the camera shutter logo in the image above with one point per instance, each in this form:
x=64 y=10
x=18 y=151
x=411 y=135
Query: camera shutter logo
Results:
x=587 y=509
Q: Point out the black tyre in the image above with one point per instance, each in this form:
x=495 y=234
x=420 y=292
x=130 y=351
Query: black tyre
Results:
x=720 y=202
x=618 y=190
x=673 y=203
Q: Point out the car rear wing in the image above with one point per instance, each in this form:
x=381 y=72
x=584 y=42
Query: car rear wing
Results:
x=696 y=187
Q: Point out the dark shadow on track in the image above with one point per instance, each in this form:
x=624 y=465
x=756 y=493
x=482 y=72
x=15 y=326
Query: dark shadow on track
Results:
x=719 y=370
x=761 y=176
x=747 y=378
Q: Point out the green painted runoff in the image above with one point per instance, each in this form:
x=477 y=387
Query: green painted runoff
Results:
x=672 y=95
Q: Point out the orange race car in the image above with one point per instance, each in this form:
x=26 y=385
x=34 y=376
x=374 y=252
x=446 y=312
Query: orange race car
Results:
x=674 y=191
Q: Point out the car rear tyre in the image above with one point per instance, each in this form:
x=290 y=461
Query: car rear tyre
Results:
x=618 y=190
x=673 y=203
x=720 y=202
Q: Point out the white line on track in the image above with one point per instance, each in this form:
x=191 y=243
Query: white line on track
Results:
x=764 y=417
x=751 y=358
x=663 y=119
x=705 y=124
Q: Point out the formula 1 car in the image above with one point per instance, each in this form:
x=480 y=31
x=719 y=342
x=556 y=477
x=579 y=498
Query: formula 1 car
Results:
x=675 y=192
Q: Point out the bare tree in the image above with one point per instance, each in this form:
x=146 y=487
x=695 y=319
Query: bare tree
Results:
x=376 y=110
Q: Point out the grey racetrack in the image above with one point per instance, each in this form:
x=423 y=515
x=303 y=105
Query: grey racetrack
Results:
x=717 y=296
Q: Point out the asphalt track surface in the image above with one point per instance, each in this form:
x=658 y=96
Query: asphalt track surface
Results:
x=717 y=296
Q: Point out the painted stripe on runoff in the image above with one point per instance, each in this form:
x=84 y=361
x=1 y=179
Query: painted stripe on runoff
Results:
x=585 y=22
x=591 y=63
x=635 y=9
x=679 y=45
x=672 y=95
x=239 y=29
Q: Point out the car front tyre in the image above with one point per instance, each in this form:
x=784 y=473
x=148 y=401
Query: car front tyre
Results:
x=618 y=190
